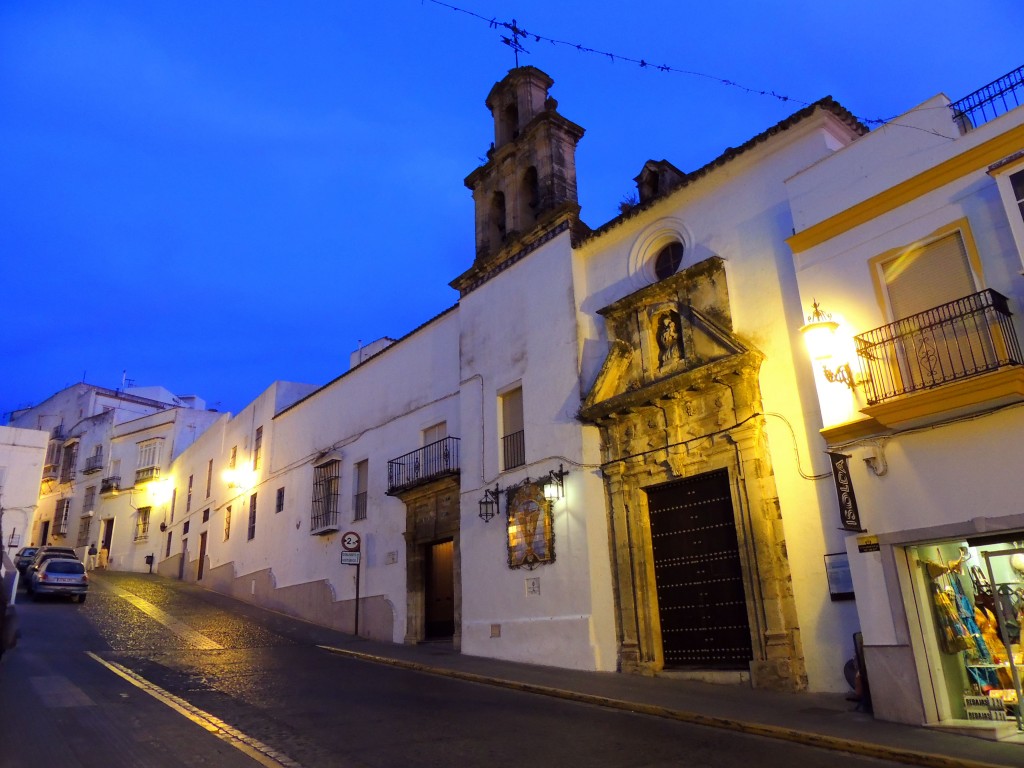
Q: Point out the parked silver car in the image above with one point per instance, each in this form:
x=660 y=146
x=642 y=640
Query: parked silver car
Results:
x=60 y=576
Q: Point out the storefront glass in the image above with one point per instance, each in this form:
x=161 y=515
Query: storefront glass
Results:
x=971 y=594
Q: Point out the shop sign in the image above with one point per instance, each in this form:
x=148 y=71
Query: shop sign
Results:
x=848 y=514
x=868 y=544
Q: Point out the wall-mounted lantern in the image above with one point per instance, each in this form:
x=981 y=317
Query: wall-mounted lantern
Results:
x=820 y=337
x=489 y=507
x=554 y=485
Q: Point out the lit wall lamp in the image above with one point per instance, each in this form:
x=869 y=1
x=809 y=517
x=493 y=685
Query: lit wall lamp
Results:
x=554 y=486
x=819 y=336
x=489 y=507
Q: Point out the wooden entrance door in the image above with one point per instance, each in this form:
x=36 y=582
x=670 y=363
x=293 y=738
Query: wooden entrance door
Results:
x=202 y=555
x=44 y=533
x=184 y=559
x=440 y=591
x=699 y=581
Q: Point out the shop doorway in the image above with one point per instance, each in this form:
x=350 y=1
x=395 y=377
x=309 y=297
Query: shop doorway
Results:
x=440 y=590
x=44 y=533
x=702 y=605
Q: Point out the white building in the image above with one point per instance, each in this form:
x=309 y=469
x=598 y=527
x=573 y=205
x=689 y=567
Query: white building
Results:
x=22 y=452
x=913 y=240
x=104 y=451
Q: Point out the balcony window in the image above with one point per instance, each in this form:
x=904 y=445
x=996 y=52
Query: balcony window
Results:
x=94 y=463
x=252 y=518
x=513 y=441
x=69 y=460
x=142 y=524
x=951 y=342
x=326 y=481
x=361 y=475
x=60 y=517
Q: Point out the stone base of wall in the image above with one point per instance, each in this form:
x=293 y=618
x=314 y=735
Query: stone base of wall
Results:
x=312 y=601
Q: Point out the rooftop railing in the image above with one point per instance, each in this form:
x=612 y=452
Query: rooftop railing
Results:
x=991 y=101
x=951 y=342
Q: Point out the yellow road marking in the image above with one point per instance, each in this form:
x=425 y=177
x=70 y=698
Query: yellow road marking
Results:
x=257 y=750
x=196 y=639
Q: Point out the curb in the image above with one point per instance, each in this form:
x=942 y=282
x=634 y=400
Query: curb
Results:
x=834 y=743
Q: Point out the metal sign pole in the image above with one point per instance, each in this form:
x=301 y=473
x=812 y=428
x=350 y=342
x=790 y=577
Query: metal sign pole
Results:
x=358 y=568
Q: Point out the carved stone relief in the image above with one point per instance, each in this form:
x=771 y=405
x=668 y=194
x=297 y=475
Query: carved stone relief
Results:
x=679 y=396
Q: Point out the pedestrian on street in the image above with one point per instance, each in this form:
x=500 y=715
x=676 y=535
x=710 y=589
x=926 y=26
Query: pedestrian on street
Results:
x=91 y=561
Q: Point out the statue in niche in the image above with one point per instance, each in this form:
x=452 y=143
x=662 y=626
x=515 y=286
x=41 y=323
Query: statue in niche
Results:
x=668 y=333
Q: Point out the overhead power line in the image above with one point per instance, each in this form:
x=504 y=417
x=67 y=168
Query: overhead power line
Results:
x=517 y=34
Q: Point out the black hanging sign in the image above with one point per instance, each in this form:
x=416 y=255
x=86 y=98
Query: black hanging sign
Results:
x=848 y=514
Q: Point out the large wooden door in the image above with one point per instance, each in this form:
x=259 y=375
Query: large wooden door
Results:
x=440 y=592
x=698 y=576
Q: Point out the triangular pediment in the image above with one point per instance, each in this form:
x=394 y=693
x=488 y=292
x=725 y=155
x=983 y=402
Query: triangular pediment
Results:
x=665 y=337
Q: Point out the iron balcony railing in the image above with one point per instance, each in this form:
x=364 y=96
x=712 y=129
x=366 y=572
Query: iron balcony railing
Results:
x=439 y=459
x=146 y=474
x=359 y=506
x=955 y=341
x=324 y=511
x=110 y=484
x=989 y=102
x=513 y=450
x=50 y=471
x=93 y=464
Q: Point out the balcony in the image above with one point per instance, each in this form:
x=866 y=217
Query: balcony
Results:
x=513 y=450
x=50 y=471
x=431 y=462
x=146 y=474
x=110 y=484
x=954 y=358
x=92 y=464
x=987 y=103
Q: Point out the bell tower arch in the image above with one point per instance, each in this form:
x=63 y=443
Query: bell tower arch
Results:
x=529 y=180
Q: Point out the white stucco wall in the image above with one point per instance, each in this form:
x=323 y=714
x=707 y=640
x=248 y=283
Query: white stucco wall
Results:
x=21 y=467
x=520 y=328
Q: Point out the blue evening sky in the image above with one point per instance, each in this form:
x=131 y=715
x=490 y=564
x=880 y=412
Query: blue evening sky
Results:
x=214 y=195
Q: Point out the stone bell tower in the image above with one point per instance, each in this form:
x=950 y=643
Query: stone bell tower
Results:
x=527 y=188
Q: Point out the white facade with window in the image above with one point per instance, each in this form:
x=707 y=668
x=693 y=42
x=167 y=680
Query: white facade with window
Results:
x=910 y=239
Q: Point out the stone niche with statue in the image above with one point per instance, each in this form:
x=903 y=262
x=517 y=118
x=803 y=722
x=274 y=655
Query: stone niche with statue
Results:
x=678 y=401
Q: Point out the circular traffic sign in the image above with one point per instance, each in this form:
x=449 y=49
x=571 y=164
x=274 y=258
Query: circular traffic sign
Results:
x=350 y=541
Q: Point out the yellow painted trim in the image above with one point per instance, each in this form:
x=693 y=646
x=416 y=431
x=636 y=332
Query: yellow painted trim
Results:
x=962 y=397
x=927 y=181
x=852 y=430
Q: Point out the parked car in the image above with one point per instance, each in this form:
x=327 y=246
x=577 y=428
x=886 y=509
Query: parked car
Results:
x=24 y=558
x=60 y=576
x=44 y=554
